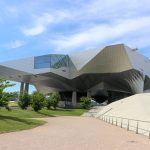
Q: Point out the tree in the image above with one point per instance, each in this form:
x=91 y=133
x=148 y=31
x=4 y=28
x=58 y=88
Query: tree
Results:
x=24 y=101
x=5 y=96
x=37 y=101
x=15 y=96
x=48 y=102
x=85 y=102
x=54 y=99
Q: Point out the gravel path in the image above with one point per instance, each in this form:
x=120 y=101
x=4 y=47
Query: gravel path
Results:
x=74 y=133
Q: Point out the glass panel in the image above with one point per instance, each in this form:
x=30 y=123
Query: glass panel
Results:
x=51 y=61
x=41 y=65
x=58 y=61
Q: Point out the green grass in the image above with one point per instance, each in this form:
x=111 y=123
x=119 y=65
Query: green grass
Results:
x=18 y=119
x=9 y=124
x=62 y=112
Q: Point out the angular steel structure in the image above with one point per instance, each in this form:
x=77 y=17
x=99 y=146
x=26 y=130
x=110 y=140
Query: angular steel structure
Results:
x=111 y=72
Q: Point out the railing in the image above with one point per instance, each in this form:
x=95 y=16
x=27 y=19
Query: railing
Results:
x=138 y=126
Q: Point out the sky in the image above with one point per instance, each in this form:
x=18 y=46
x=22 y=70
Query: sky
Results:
x=36 y=27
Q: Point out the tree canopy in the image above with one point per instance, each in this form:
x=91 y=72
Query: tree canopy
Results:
x=5 y=96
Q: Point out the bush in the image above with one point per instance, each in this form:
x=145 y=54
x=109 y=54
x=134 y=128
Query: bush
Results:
x=85 y=102
x=37 y=101
x=53 y=100
x=4 y=100
x=24 y=101
x=48 y=102
x=4 y=96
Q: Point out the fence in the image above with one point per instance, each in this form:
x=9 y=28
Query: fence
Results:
x=138 y=126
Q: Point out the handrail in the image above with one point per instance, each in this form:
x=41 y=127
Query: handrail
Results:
x=106 y=111
x=110 y=119
x=127 y=118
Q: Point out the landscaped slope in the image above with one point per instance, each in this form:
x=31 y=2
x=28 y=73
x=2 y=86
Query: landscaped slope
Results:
x=133 y=107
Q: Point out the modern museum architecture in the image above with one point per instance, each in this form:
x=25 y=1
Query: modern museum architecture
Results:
x=111 y=73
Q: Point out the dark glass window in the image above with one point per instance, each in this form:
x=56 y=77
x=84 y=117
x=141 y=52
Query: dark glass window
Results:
x=51 y=61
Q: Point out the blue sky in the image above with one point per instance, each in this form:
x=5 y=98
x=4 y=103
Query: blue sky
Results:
x=35 y=27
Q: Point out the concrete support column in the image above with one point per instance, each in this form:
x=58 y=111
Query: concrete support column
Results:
x=21 y=88
x=26 y=89
x=88 y=94
x=74 y=98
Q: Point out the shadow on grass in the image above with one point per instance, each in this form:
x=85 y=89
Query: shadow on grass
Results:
x=25 y=121
x=45 y=114
x=61 y=109
x=48 y=111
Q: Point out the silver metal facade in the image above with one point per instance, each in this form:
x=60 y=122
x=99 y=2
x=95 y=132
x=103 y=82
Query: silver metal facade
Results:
x=112 y=68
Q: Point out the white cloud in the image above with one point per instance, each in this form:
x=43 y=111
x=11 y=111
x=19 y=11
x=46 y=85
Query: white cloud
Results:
x=84 y=24
x=41 y=23
x=105 y=33
x=15 y=44
x=37 y=29
x=112 y=9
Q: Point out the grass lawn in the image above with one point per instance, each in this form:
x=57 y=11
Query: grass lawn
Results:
x=62 y=112
x=18 y=119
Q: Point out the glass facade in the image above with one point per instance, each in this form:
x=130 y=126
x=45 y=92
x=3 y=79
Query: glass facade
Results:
x=51 y=61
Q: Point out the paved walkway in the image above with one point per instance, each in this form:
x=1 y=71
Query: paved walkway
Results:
x=74 y=133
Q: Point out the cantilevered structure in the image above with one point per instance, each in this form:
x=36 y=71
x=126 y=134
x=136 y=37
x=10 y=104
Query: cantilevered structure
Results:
x=111 y=72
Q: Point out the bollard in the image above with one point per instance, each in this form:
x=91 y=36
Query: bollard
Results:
x=137 y=127
x=128 y=125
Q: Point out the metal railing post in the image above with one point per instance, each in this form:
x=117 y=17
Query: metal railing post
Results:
x=137 y=126
x=121 y=123
x=112 y=121
x=128 y=125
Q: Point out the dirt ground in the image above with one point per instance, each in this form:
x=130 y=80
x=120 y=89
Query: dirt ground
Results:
x=74 y=133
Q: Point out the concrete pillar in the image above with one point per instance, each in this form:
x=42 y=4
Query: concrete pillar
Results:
x=21 y=88
x=74 y=98
x=26 y=89
x=88 y=94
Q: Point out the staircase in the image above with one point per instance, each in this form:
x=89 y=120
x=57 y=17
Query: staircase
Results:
x=93 y=112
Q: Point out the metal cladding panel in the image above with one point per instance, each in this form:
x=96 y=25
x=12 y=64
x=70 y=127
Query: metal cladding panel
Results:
x=111 y=59
x=114 y=67
x=12 y=74
x=131 y=81
x=25 y=65
x=80 y=59
x=139 y=61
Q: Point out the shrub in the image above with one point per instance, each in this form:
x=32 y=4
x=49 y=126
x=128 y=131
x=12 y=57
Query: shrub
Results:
x=4 y=100
x=48 y=102
x=85 y=102
x=24 y=101
x=4 y=96
x=37 y=101
x=54 y=99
